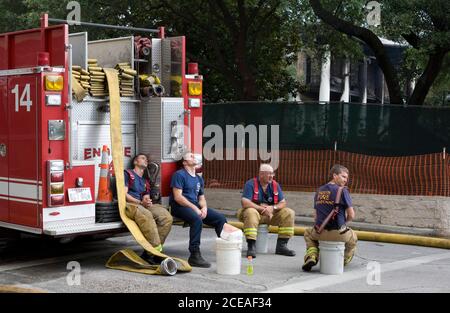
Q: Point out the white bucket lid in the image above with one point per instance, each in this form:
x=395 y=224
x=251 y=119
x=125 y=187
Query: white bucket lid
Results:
x=337 y=244
x=227 y=244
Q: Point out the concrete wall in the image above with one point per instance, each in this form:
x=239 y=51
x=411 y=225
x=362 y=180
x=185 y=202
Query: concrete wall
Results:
x=420 y=212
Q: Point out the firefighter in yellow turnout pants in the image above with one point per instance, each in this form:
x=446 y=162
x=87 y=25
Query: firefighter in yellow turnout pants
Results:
x=153 y=220
x=263 y=202
x=332 y=209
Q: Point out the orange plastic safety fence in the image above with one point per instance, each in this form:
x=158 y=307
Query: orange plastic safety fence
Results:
x=306 y=170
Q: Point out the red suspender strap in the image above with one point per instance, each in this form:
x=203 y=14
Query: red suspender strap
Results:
x=255 y=190
x=275 y=191
x=131 y=180
x=147 y=186
x=337 y=201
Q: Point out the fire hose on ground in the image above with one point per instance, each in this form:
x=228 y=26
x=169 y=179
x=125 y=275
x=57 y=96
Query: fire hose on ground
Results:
x=121 y=259
x=413 y=240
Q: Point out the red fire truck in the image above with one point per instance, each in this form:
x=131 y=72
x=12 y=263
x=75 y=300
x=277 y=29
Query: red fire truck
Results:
x=50 y=143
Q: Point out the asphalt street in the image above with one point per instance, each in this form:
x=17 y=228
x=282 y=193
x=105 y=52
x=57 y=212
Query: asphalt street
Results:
x=377 y=267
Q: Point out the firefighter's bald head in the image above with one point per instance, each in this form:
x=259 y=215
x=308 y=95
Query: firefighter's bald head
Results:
x=266 y=173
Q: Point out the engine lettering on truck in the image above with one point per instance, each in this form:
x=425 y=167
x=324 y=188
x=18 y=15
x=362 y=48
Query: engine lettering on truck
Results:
x=97 y=152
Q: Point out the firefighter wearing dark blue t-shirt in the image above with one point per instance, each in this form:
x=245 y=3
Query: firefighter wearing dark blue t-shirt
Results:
x=340 y=213
x=263 y=202
x=153 y=219
x=188 y=203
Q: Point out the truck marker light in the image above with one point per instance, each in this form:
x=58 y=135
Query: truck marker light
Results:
x=56 y=165
x=56 y=200
x=57 y=177
x=195 y=88
x=56 y=189
x=194 y=103
x=55 y=182
x=54 y=82
x=79 y=182
x=53 y=99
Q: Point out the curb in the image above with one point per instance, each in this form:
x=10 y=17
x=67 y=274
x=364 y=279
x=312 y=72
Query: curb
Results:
x=309 y=221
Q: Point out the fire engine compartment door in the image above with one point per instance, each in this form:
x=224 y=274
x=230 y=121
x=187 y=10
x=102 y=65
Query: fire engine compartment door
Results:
x=90 y=138
x=173 y=56
x=4 y=206
x=25 y=189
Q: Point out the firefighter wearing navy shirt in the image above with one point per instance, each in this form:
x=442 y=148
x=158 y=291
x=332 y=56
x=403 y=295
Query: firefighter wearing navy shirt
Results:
x=336 y=229
x=188 y=203
x=153 y=220
x=263 y=202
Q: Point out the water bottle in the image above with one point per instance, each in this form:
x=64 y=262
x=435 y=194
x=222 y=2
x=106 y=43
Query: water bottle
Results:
x=250 y=265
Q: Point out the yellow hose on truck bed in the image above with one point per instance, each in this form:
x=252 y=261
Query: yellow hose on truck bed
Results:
x=117 y=261
x=413 y=240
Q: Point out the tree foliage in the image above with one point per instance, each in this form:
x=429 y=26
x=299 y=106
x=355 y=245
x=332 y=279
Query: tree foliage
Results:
x=422 y=24
x=243 y=47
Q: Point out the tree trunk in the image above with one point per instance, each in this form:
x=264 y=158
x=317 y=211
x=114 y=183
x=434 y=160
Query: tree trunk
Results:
x=248 y=79
x=371 y=40
x=427 y=78
x=248 y=82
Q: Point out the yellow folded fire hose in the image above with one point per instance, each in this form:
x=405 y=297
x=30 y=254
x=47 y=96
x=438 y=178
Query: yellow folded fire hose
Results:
x=78 y=90
x=120 y=260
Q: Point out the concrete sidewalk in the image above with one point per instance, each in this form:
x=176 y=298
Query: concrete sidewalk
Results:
x=422 y=216
x=303 y=221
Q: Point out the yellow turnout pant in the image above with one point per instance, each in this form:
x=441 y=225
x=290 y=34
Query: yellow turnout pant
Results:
x=155 y=223
x=283 y=218
x=312 y=241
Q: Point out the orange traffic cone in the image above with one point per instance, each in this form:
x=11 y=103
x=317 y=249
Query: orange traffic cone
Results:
x=104 y=185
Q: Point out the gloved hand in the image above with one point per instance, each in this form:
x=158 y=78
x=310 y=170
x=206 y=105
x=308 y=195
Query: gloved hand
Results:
x=344 y=228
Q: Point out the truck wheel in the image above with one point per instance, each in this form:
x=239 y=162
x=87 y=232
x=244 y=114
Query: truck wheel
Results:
x=7 y=237
x=66 y=240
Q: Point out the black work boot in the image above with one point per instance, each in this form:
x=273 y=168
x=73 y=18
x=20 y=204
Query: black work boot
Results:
x=151 y=259
x=196 y=260
x=282 y=247
x=311 y=258
x=251 y=248
x=310 y=261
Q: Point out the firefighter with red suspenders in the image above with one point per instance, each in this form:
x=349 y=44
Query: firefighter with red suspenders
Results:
x=332 y=210
x=154 y=220
x=263 y=202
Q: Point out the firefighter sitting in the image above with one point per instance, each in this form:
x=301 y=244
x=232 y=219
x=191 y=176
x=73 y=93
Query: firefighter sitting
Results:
x=153 y=220
x=263 y=202
x=332 y=210
x=188 y=203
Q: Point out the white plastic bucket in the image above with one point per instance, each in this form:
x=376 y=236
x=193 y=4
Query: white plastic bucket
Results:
x=331 y=257
x=228 y=256
x=262 y=239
